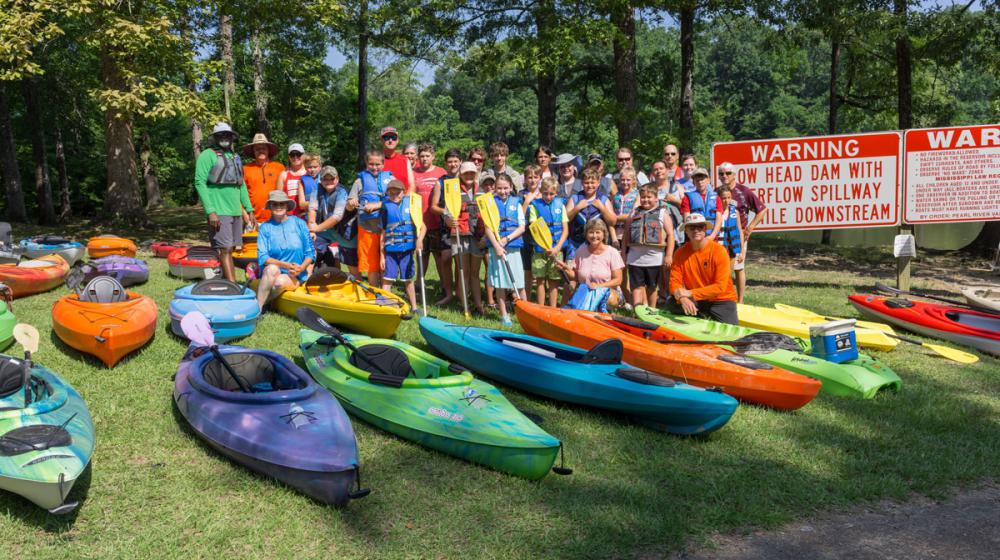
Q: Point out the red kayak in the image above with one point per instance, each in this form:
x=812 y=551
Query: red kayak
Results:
x=971 y=328
x=198 y=262
x=162 y=249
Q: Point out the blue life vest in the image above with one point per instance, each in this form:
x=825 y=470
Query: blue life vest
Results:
x=400 y=234
x=508 y=219
x=552 y=213
x=309 y=185
x=704 y=207
x=577 y=227
x=372 y=190
x=729 y=235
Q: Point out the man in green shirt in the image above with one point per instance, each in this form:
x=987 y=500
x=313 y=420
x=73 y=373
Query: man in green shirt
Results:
x=218 y=178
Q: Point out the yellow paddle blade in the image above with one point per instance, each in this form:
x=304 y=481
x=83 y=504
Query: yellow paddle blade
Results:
x=541 y=234
x=952 y=353
x=453 y=197
x=417 y=211
x=488 y=211
x=791 y=309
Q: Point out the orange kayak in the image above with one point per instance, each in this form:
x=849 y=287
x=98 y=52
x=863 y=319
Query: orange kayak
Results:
x=34 y=276
x=107 y=245
x=106 y=330
x=740 y=376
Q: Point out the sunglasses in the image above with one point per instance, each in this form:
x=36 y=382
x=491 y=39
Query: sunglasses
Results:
x=389 y=137
x=725 y=173
x=624 y=159
x=697 y=227
x=670 y=153
x=477 y=160
x=295 y=154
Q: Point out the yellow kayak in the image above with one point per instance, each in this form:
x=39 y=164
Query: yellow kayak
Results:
x=774 y=320
x=352 y=306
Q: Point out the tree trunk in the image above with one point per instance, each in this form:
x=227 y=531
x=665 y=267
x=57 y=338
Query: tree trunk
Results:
x=259 y=93
x=123 y=201
x=686 y=134
x=626 y=94
x=43 y=185
x=904 y=70
x=545 y=90
x=8 y=163
x=153 y=197
x=226 y=40
x=362 y=131
x=65 y=209
x=827 y=238
x=986 y=243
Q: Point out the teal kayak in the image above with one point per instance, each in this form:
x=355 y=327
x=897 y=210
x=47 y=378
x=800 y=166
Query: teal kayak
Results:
x=429 y=401
x=46 y=445
x=862 y=378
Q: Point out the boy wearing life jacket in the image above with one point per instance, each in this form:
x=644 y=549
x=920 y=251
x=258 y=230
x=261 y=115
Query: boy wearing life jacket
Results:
x=366 y=195
x=400 y=239
x=437 y=234
x=731 y=233
x=532 y=181
x=648 y=245
x=464 y=246
x=310 y=181
x=702 y=200
x=552 y=210
x=504 y=271
x=331 y=222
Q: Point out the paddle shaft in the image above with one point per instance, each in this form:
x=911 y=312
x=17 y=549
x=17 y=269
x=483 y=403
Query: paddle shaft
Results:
x=246 y=388
x=883 y=288
x=461 y=275
x=423 y=287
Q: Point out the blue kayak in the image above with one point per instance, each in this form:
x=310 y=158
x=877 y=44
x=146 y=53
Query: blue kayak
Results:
x=231 y=309
x=41 y=245
x=271 y=417
x=596 y=378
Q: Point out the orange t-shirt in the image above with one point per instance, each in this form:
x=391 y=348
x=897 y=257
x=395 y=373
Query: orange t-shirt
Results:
x=704 y=272
x=260 y=181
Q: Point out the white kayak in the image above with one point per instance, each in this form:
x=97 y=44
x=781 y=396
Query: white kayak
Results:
x=986 y=298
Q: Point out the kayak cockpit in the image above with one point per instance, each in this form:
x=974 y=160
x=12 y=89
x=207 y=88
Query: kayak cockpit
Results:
x=258 y=372
x=609 y=351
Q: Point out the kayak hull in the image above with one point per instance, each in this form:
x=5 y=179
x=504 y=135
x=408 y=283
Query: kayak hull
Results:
x=129 y=271
x=297 y=434
x=980 y=330
x=452 y=413
x=231 y=317
x=34 y=276
x=774 y=320
x=109 y=331
x=369 y=311
x=702 y=366
x=862 y=378
x=184 y=265
x=107 y=245
x=70 y=252
x=554 y=371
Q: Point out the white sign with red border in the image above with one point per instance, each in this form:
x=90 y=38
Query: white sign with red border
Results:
x=820 y=182
x=952 y=174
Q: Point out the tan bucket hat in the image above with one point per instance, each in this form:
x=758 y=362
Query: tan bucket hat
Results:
x=259 y=138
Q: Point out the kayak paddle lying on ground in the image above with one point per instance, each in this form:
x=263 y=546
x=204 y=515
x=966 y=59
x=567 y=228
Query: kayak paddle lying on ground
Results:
x=953 y=354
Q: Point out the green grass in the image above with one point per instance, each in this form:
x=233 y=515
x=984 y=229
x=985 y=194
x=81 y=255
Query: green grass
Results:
x=155 y=490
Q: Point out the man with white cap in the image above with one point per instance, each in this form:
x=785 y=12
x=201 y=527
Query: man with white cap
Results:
x=746 y=201
x=218 y=178
x=290 y=180
x=261 y=174
x=699 y=275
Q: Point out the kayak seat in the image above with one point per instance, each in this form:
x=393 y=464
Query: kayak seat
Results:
x=255 y=369
x=11 y=377
x=644 y=377
x=381 y=359
x=104 y=289
x=51 y=240
x=898 y=303
x=217 y=287
x=326 y=276
x=202 y=253
x=36 y=437
x=608 y=351
x=637 y=323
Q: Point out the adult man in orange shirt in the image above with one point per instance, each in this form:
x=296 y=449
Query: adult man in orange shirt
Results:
x=261 y=175
x=699 y=276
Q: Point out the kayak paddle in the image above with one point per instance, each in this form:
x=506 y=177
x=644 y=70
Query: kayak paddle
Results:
x=196 y=327
x=890 y=290
x=417 y=217
x=541 y=234
x=755 y=343
x=27 y=336
x=453 y=204
x=811 y=314
x=953 y=354
x=312 y=320
x=490 y=215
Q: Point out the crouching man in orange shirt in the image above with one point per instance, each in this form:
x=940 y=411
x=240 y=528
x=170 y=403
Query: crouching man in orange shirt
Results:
x=699 y=276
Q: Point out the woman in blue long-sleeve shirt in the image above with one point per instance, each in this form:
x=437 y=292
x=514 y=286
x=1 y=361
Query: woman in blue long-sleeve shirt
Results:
x=285 y=250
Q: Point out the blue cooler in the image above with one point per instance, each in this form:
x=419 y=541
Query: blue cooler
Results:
x=834 y=341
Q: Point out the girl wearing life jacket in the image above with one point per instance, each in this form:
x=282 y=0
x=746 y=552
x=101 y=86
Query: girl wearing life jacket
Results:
x=460 y=230
x=731 y=232
x=649 y=245
x=504 y=270
x=400 y=239
x=331 y=221
x=624 y=202
x=532 y=180
x=551 y=209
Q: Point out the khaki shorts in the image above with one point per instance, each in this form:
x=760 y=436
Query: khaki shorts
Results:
x=543 y=267
x=230 y=234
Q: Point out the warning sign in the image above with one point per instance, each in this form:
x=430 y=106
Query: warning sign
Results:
x=952 y=174
x=820 y=182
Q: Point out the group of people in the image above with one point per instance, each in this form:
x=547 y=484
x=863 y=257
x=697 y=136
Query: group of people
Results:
x=580 y=234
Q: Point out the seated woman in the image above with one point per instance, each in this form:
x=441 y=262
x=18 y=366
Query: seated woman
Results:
x=285 y=249
x=596 y=265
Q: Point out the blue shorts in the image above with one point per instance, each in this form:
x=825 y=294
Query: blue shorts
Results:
x=398 y=266
x=348 y=256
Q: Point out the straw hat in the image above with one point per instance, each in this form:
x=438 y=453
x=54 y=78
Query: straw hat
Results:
x=259 y=138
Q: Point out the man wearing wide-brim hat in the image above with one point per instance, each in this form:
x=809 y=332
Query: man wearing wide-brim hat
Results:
x=567 y=167
x=261 y=174
x=700 y=283
x=218 y=178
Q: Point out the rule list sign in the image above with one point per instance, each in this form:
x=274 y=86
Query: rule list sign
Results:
x=952 y=174
x=820 y=182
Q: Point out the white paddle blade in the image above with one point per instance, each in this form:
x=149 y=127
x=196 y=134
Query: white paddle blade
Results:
x=197 y=328
x=26 y=336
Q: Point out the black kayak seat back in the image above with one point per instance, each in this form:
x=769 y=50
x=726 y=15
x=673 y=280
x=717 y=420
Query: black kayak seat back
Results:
x=11 y=377
x=217 y=287
x=6 y=235
x=256 y=369
x=644 y=377
x=202 y=253
x=51 y=240
x=36 y=437
x=637 y=323
x=323 y=277
x=608 y=351
x=898 y=303
x=385 y=364
x=104 y=289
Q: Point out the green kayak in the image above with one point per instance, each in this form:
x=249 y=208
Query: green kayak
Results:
x=863 y=377
x=429 y=401
x=7 y=318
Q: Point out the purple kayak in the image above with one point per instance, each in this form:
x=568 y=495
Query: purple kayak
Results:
x=268 y=415
x=128 y=271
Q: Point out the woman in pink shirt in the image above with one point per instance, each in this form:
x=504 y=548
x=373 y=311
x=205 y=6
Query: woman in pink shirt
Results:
x=597 y=264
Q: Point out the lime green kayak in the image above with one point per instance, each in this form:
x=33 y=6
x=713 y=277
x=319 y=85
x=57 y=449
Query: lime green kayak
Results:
x=862 y=378
x=7 y=322
x=431 y=402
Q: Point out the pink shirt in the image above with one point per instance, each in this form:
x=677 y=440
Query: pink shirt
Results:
x=426 y=181
x=596 y=268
